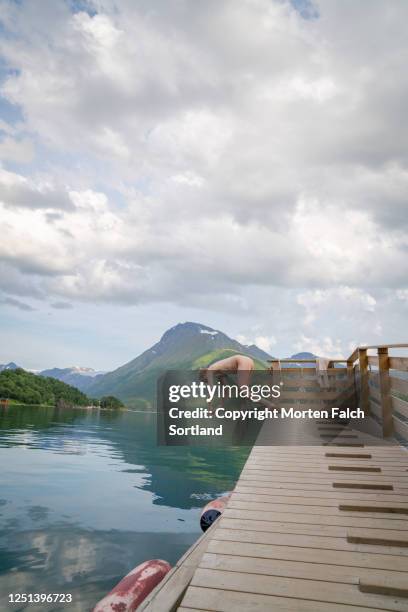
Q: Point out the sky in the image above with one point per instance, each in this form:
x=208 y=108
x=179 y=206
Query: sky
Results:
x=239 y=164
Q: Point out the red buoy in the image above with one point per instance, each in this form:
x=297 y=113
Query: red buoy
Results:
x=212 y=511
x=129 y=593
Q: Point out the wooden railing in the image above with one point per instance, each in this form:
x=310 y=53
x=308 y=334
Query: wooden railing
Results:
x=382 y=386
x=378 y=383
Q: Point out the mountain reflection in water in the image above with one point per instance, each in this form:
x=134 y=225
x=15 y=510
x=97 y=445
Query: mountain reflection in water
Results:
x=87 y=495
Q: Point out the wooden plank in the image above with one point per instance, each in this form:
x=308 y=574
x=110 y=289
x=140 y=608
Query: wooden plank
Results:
x=314 y=462
x=381 y=450
x=304 y=541
x=363 y=372
x=385 y=391
x=400 y=406
x=331 y=498
x=377 y=507
x=322 y=472
x=224 y=601
x=356 y=559
x=297 y=381
x=374 y=393
x=378 y=537
x=323 y=493
x=325 y=485
x=287 y=465
x=342 y=471
x=337 y=373
x=265 y=508
x=354 y=468
x=401 y=428
x=310 y=463
x=372 y=361
x=166 y=596
x=372 y=486
x=298 y=517
x=373 y=378
x=349 y=455
x=330 y=428
x=323 y=394
x=306 y=458
x=268 y=424
x=337 y=531
x=321 y=478
x=384 y=450
x=375 y=408
x=392 y=470
x=403 y=345
x=314 y=590
x=384 y=586
x=296 y=569
x=399 y=363
x=399 y=385
x=338 y=435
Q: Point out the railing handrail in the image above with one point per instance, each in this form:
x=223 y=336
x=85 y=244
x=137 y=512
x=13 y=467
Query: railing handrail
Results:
x=311 y=360
x=403 y=345
x=355 y=354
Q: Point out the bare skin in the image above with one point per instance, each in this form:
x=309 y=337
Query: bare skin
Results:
x=240 y=364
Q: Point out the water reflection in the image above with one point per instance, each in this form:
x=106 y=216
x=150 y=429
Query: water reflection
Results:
x=85 y=496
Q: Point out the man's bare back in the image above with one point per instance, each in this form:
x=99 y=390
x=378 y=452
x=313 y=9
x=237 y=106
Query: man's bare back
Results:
x=241 y=364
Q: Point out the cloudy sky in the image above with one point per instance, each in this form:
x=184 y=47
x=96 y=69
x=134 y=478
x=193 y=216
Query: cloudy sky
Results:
x=243 y=164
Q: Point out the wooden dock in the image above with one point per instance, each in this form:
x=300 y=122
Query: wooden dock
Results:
x=298 y=534
x=313 y=528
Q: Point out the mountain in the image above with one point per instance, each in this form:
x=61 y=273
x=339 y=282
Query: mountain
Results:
x=9 y=366
x=184 y=346
x=256 y=353
x=311 y=364
x=304 y=355
x=81 y=378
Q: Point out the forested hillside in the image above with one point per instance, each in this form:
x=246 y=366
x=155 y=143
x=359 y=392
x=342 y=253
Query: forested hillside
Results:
x=29 y=388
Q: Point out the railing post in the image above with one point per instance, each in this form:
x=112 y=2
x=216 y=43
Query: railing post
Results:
x=363 y=361
x=351 y=379
x=385 y=391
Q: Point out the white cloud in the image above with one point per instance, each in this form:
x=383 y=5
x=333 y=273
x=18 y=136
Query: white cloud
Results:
x=21 y=151
x=323 y=347
x=266 y=343
x=199 y=153
x=348 y=298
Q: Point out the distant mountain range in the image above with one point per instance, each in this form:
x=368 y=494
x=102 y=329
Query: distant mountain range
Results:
x=8 y=366
x=81 y=378
x=184 y=346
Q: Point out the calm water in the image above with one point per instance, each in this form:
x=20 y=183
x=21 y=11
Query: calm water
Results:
x=87 y=495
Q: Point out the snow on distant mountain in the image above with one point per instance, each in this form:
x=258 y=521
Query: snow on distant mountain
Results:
x=77 y=376
x=8 y=366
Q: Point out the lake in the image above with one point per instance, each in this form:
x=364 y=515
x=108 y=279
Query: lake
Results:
x=86 y=495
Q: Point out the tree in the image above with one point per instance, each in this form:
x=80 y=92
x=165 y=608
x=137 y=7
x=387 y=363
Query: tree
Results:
x=110 y=401
x=28 y=388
